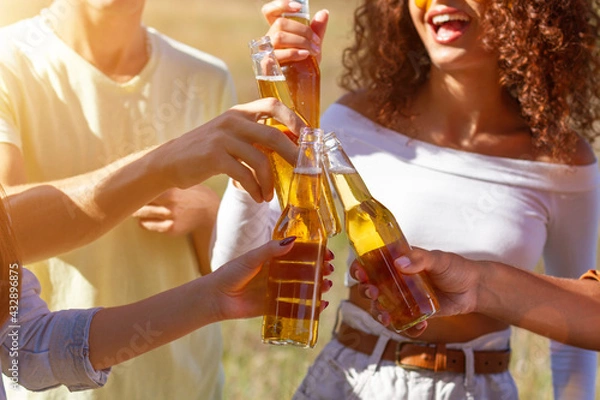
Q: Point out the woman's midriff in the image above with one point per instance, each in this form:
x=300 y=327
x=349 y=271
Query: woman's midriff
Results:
x=457 y=329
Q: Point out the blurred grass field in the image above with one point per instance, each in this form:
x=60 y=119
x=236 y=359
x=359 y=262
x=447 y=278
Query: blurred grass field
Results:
x=254 y=370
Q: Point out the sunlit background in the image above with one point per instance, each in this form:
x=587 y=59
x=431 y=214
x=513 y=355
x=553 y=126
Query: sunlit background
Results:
x=223 y=28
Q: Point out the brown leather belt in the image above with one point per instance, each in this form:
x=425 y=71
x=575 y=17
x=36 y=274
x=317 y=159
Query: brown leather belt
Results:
x=415 y=355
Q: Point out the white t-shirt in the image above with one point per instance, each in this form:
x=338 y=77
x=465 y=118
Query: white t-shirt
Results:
x=481 y=207
x=68 y=118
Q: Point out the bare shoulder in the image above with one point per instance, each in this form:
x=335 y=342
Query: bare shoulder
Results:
x=584 y=153
x=350 y=99
x=359 y=102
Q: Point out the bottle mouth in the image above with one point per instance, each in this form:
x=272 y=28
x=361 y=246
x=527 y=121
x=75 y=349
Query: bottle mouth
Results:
x=330 y=141
x=312 y=135
x=260 y=43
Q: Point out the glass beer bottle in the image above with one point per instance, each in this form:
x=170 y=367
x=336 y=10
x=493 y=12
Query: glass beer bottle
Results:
x=304 y=76
x=377 y=241
x=293 y=297
x=272 y=83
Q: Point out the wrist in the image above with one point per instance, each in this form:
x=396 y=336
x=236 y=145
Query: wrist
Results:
x=495 y=288
x=205 y=303
x=157 y=164
x=481 y=296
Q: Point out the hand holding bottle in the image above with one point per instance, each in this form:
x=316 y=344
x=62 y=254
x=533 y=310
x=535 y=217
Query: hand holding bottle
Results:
x=454 y=279
x=272 y=82
x=294 y=40
x=377 y=240
x=293 y=295
x=241 y=283
x=229 y=144
x=371 y=292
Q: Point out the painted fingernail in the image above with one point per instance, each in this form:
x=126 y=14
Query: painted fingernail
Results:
x=330 y=255
x=361 y=276
x=325 y=304
x=331 y=267
x=287 y=240
x=402 y=262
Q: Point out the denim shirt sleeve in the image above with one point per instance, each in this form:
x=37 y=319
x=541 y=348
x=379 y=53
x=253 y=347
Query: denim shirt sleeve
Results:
x=52 y=347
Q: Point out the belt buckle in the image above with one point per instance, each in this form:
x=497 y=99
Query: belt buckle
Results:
x=399 y=363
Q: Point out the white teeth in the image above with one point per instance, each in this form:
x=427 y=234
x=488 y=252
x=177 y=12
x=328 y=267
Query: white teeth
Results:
x=443 y=18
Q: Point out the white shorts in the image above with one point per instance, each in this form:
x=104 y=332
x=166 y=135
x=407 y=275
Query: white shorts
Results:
x=340 y=372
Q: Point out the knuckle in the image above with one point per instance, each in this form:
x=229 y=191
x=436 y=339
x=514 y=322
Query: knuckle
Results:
x=272 y=102
x=436 y=253
x=226 y=119
x=279 y=24
x=232 y=113
x=277 y=37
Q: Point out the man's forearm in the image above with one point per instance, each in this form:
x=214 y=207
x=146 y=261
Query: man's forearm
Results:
x=55 y=217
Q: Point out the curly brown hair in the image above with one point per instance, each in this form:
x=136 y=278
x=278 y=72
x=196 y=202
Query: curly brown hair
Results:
x=548 y=55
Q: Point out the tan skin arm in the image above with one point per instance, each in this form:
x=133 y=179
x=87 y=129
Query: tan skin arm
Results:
x=236 y=290
x=233 y=291
x=566 y=310
x=52 y=218
x=55 y=217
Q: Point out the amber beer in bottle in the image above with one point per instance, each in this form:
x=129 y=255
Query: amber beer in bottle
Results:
x=304 y=76
x=272 y=83
x=293 y=297
x=377 y=241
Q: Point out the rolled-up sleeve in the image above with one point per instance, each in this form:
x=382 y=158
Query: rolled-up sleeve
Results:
x=52 y=347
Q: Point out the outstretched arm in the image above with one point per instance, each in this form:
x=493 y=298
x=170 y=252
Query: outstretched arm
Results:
x=566 y=310
x=236 y=290
x=56 y=217
x=75 y=347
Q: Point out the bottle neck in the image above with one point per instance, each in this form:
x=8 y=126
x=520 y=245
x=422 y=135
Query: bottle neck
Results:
x=349 y=185
x=304 y=189
x=264 y=62
x=269 y=75
x=308 y=172
x=275 y=86
x=350 y=188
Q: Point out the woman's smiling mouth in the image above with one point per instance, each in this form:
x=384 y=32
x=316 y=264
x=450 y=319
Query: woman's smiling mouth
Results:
x=448 y=26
